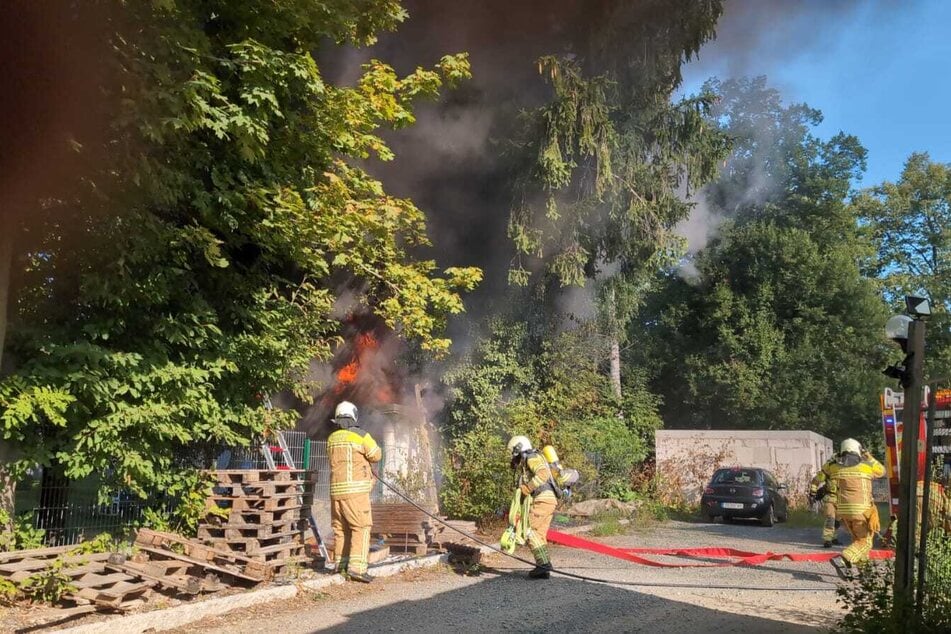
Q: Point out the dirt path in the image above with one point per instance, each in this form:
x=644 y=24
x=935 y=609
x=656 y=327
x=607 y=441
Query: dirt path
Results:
x=777 y=597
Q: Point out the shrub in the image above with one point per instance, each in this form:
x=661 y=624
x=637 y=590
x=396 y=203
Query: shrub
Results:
x=24 y=535
x=555 y=393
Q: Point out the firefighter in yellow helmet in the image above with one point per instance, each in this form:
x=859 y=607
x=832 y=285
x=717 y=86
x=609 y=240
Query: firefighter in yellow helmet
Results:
x=535 y=479
x=351 y=451
x=822 y=491
x=852 y=473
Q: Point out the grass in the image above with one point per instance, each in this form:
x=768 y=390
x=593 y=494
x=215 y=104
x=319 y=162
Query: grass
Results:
x=804 y=518
x=608 y=523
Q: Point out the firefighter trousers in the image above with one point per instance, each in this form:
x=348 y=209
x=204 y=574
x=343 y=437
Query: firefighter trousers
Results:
x=539 y=519
x=862 y=537
x=351 y=521
x=829 y=524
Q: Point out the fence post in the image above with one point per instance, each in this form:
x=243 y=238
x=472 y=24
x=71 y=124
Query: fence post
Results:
x=305 y=463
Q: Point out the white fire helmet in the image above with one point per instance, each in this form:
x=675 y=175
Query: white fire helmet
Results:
x=345 y=410
x=851 y=445
x=519 y=445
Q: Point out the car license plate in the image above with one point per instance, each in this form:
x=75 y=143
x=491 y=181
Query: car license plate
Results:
x=731 y=505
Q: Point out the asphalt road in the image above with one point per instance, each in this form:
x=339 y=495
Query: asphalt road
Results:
x=776 y=597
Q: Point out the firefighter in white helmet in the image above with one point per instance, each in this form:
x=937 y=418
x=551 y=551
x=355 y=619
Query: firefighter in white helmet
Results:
x=351 y=451
x=535 y=479
x=852 y=473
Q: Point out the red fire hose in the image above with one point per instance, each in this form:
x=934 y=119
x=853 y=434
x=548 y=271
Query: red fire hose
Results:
x=738 y=557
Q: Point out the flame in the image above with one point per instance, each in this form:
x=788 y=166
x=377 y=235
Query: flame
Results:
x=361 y=377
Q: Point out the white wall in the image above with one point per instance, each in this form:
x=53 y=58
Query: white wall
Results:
x=793 y=456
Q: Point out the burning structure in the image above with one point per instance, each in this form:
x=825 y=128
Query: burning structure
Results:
x=364 y=371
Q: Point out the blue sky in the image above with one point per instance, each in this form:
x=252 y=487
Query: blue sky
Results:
x=879 y=70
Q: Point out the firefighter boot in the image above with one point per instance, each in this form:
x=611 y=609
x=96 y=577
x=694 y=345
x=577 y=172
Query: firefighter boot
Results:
x=541 y=571
x=362 y=577
x=827 y=543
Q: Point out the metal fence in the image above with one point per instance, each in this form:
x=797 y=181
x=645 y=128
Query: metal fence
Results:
x=933 y=592
x=71 y=512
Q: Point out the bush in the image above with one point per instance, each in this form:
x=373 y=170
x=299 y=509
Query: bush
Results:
x=24 y=535
x=554 y=393
x=868 y=596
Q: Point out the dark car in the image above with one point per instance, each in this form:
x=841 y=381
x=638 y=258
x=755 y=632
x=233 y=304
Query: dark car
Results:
x=742 y=492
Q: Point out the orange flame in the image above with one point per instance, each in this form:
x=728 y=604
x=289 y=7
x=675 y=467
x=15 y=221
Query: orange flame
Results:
x=350 y=377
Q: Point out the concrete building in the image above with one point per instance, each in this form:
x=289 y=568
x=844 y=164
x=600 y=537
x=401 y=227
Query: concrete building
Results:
x=688 y=457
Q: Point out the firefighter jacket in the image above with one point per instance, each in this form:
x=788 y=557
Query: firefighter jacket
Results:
x=823 y=482
x=852 y=481
x=350 y=452
x=536 y=475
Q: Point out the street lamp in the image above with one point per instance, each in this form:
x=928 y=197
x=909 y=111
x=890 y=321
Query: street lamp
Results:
x=909 y=333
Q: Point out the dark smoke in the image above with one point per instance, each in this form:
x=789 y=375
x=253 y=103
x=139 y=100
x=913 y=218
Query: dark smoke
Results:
x=452 y=162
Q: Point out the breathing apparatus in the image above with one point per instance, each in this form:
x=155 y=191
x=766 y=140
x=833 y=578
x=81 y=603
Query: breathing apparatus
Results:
x=562 y=477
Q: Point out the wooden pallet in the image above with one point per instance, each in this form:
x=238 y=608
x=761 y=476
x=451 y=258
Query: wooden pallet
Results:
x=170 y=546
x=261 y=550
x=114 y=590
x=240 y=476
x=27 y=565
x=265 y=488
x=406 y=543
x=179 y=582
x=254 y=517
x=252 y=531
x=248 y=503
x=34 y=553
x=463 y=554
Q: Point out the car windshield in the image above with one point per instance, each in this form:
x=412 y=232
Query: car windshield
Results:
x=736 y=476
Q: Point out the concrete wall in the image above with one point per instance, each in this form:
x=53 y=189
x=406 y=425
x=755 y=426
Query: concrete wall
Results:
x=793 y=456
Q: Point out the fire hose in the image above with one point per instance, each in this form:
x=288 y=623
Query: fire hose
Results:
x=632 y=554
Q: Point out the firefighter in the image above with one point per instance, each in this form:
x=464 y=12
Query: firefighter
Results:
x=822 y=491
x=351 y=451
x=851 y=474
x=535 y=480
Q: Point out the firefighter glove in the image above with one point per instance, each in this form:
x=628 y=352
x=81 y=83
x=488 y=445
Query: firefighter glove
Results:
x=525 y=490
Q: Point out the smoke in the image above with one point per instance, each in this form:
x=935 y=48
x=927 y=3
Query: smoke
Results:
x=753 y=37
x=697 y=229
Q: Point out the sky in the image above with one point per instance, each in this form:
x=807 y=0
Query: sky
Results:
x=876 y=69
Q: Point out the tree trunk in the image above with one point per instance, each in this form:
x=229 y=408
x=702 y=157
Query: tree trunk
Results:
x=616 y=366
x=7 y=451
x=6 y=265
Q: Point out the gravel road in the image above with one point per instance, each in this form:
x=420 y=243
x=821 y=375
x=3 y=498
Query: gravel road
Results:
x=776 y=597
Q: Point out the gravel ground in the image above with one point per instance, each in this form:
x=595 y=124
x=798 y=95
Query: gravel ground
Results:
x=776 y=597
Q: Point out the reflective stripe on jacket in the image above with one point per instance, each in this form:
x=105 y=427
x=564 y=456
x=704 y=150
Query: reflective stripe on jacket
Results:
x=350 y=452
x=853 y=477
x=537 y=476
x=824 y=477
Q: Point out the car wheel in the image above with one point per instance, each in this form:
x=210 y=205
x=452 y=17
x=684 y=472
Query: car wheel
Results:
x=769 y=518
x=706 y=516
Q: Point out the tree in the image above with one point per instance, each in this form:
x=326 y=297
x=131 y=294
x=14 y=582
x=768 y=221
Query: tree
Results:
x=780 y=329
x=603 y=165
x=910 y=222
x=196 y=263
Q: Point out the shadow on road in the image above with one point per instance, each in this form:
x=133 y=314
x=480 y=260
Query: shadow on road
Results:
x=513 y=603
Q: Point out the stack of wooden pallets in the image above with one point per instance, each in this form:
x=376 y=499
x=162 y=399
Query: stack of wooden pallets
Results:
x=402 y=527
x=266 y=516
x=92 y=583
